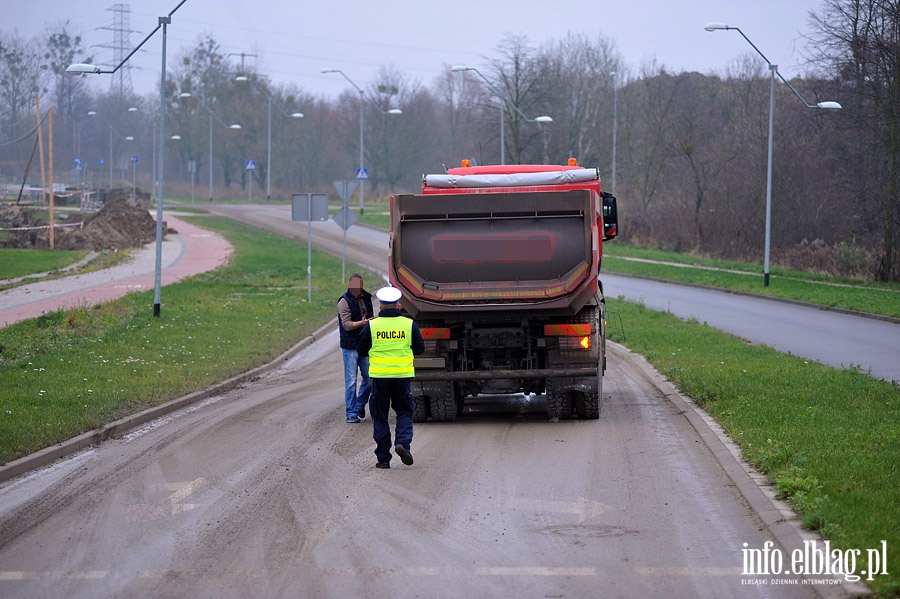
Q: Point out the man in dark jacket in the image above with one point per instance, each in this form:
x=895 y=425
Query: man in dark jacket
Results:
x=390 y=341
x=354 y=311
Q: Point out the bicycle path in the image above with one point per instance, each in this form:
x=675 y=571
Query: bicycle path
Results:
x=188 y=252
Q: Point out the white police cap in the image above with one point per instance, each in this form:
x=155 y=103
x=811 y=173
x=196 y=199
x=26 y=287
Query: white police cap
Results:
x=388 y=295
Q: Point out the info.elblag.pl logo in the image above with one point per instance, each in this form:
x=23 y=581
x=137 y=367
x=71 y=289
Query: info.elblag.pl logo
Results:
x=813 y=560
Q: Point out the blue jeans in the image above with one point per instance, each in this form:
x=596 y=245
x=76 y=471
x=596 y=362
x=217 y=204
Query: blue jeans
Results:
x=390 y=394
x=352 y=362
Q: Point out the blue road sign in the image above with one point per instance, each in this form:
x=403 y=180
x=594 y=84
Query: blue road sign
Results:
x=134 y=158
x=362 y=173
x=251 y=165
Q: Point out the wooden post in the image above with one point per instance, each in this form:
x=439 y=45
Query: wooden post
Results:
x=40 y=132
x=50 y=157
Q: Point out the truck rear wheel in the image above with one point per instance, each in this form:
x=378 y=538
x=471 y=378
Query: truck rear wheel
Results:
x=587 y=406
x=559 y=402
x=434 y=400
x=443 y=404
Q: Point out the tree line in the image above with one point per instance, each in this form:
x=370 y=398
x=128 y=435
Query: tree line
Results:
x=691 y=148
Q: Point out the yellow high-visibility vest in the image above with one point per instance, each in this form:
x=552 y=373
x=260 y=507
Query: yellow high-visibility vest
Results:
x=391 y=356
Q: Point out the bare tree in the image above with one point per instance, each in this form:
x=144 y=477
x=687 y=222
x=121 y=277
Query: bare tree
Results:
x=578 y=74
x=20 y=80
x=860 y=40
x=518 y=76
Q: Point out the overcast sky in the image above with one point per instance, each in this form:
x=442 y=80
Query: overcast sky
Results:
x=293 y=40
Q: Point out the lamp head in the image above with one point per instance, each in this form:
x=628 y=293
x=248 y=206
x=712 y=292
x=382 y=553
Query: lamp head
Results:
x=394 y=111
x=82 y=68
x=543 y=119
x=297 y=115
x=234 y=126
x=829 y=105
x=459 y=67
x=716 y=27
x=327 y=70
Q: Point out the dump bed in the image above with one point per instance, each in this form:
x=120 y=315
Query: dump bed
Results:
x=499 y=244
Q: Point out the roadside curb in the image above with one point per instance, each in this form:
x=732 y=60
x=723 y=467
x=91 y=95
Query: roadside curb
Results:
x=777 y=516
x=47 y=456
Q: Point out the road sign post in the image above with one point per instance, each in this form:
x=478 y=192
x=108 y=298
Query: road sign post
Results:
x=251 y=166
x=361 y=174
x=345 y=190
x=134 y=161
x=309 y=207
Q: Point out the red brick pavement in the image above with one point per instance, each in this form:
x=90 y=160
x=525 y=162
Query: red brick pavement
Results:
x=201 y=251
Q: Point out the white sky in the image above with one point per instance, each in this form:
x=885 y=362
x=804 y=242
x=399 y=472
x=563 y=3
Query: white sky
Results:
x=294 y=40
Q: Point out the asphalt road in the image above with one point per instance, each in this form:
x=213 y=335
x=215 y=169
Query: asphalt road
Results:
x=265 y=491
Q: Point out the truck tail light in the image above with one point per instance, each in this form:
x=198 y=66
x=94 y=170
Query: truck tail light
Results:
x=570 y=336
x=575 y=342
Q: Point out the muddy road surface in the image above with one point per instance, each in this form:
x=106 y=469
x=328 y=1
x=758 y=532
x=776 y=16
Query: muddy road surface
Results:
x=265 y=491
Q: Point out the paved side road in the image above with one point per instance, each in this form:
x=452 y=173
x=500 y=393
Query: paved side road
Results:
x=189 y=252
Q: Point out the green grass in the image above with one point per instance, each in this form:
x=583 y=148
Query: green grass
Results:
x=828 y=438
x=68 y=372
x=16 y=263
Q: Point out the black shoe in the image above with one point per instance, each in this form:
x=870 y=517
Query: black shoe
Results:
x=361 y=412
x=404 y=454
x=383 y=465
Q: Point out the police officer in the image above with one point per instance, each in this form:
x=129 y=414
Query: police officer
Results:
x=390 y=341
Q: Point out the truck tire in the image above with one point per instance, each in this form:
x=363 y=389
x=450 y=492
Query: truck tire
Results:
x=443 y=404
x=587 y=405
x=420 y=409
x=421 y=404
x=559 y=402
x=434 y=400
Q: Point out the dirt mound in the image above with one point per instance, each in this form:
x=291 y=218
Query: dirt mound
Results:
x=117 y=226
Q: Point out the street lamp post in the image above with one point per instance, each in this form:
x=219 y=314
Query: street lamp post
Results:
x=221 y=122
x=503 y=100
x=295 y=115
x=360 y=175
x=615 y=124
x=84 y=68
x=773 y=69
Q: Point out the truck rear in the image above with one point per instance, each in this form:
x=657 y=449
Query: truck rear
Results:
x=499 y=266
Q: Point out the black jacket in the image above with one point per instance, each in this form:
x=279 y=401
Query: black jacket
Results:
x=349 y=339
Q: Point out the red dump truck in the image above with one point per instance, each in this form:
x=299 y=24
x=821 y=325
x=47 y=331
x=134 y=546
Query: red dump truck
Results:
x=499 y=266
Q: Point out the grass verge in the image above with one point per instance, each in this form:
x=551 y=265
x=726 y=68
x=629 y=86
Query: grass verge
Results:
x=21 y=262
x=68 y=372
x=829 y=439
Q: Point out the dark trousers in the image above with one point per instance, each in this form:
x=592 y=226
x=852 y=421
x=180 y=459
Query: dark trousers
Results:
x=387 y=394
